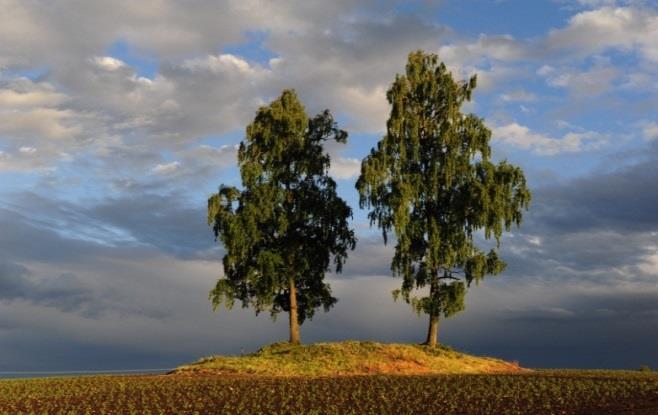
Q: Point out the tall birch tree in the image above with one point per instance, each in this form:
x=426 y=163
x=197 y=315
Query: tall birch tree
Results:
x=431 y=181
x=286 y=226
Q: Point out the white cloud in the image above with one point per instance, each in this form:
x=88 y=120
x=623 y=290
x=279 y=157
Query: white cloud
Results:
x=32 y=111
x=345 y=168
x=522 y=137
x=562 y=124
x=502 y=48
x=219 y=63
x=650 y=130
x=108 y=63
x=166 y=168
x=597 y=3
x=29 y=159
x=367 y=109
x=24 y=93
x=27 y=150
x=639 y=81
x=545 y=70
x=625 y=28
x=338 y=55
x=194 y=166
x=347 y=64
x=37 y=114
x=204 y=160
x=36 y=35
x=47 y=123
x=592 y=82
x=491 y=58
x=650 y=264
x=519 y=95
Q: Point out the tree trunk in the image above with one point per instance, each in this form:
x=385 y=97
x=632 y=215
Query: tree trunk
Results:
x=432 y=331
x=293 y=318
x=433 y=328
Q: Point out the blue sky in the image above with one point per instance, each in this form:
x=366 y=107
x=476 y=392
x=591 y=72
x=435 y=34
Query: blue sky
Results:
x=117 y=121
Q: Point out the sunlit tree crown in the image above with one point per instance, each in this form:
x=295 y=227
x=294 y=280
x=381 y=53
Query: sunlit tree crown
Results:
x=431 y=181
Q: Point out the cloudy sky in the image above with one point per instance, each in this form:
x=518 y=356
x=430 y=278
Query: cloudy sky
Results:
x=118 y=120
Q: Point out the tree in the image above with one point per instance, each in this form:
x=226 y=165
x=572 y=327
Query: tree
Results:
x=430 y=179
x=282 y=230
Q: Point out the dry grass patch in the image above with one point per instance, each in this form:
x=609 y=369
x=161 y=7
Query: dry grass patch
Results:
x=350 y=358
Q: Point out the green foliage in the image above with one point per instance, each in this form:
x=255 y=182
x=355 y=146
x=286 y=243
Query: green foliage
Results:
x=431 y=181
x=287 y=222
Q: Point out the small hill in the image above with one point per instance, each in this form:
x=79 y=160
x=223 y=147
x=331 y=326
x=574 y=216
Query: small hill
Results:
x=349 y=358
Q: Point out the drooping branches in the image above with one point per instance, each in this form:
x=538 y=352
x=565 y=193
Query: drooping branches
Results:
x=282 y=230
x=430 y=181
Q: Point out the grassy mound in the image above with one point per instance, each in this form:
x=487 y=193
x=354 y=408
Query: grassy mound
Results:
x=349 y=358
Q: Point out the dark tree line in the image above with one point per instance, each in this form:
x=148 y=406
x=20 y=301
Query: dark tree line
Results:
x=430 y=181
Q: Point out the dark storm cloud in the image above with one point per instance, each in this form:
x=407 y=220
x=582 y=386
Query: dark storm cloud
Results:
x=550 y=325
x=370 y=258
x=622 y=200
x=66 y=292
x=596 y=256
x=600 y=227
x=24 y=239
x=49 y=263
x=160 y=221
x=635 y=306
x=12 y=280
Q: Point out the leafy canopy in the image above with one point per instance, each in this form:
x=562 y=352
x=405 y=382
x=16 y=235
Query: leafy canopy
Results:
x=431 y=181
x=288 y=221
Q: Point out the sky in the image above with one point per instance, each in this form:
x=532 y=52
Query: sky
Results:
x=119 y=119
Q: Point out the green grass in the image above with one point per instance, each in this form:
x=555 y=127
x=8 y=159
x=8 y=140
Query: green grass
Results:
x=350 y=358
